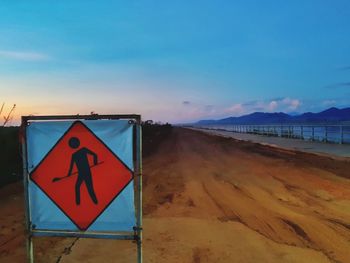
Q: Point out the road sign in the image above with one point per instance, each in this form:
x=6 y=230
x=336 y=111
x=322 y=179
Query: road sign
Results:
x=81 y=175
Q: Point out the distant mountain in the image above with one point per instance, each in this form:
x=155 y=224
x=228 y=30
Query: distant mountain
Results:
x=331 y=115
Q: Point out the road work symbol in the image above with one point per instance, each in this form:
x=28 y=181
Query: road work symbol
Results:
x=80 y=159
x=81 y=175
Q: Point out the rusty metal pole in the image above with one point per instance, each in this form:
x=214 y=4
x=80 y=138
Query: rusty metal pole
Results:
x=29 y=238
x=139 y=193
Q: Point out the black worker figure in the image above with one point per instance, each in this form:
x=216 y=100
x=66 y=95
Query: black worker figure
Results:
x=80 y=159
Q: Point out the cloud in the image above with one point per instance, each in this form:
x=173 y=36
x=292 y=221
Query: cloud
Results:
x=24 y=56
x=235 y=109
x=292 y=104
x=272 y=105
x=209 y=107
x=278 y=99
x=329 y=102
x=338 y=85
x=345 y=68
x=196 y=111
x=250 y=103
x=284 y=104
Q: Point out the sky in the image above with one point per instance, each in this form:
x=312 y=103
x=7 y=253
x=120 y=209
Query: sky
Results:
x=174 y=61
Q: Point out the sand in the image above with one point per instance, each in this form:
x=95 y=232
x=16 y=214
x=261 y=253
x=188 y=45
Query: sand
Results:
x=212 y=199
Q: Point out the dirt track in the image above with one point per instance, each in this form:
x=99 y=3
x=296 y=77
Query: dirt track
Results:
x=212 y=199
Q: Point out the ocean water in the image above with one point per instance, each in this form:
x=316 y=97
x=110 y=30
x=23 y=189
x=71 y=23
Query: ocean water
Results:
x=322 y=133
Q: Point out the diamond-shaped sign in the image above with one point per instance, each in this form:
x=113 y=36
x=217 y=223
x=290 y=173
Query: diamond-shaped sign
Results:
x=81 y=175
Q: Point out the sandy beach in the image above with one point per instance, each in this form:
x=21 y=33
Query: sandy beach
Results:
x=214 y=199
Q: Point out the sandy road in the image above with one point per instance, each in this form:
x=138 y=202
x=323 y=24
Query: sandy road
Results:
x=218 y=200
x=212 y=199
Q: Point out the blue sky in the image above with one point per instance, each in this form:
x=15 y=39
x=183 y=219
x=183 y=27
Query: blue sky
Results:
x=174 y=61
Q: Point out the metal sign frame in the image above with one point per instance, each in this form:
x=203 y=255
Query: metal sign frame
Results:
x=136 y=234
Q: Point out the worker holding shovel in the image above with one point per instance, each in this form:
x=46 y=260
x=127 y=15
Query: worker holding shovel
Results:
x=80 y=159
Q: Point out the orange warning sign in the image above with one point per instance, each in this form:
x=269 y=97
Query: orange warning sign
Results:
x=81 y=175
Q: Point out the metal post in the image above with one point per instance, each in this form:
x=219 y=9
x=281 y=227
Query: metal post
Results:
x=313 y=133
x=302 y=132
x=29 y=239
x=326 y=133
x=281 y=131
x=139 y=193
x=30 y=249
x=341 y=134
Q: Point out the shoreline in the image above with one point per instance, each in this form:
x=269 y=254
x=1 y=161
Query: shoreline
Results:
x=322 y=149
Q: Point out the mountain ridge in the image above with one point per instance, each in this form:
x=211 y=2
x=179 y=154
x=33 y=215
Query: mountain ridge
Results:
x=331 y=115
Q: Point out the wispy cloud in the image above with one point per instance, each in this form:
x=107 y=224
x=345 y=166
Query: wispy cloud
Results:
x=250 y=103
x=273 y=105
x=338 y=85
x=329 y=102
x=235 y=109
x=209 y=108
x=291 y=104
x=24 y=56
x=345 y=68
x=285 y=104
x=278 y=98
x=192 y=110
